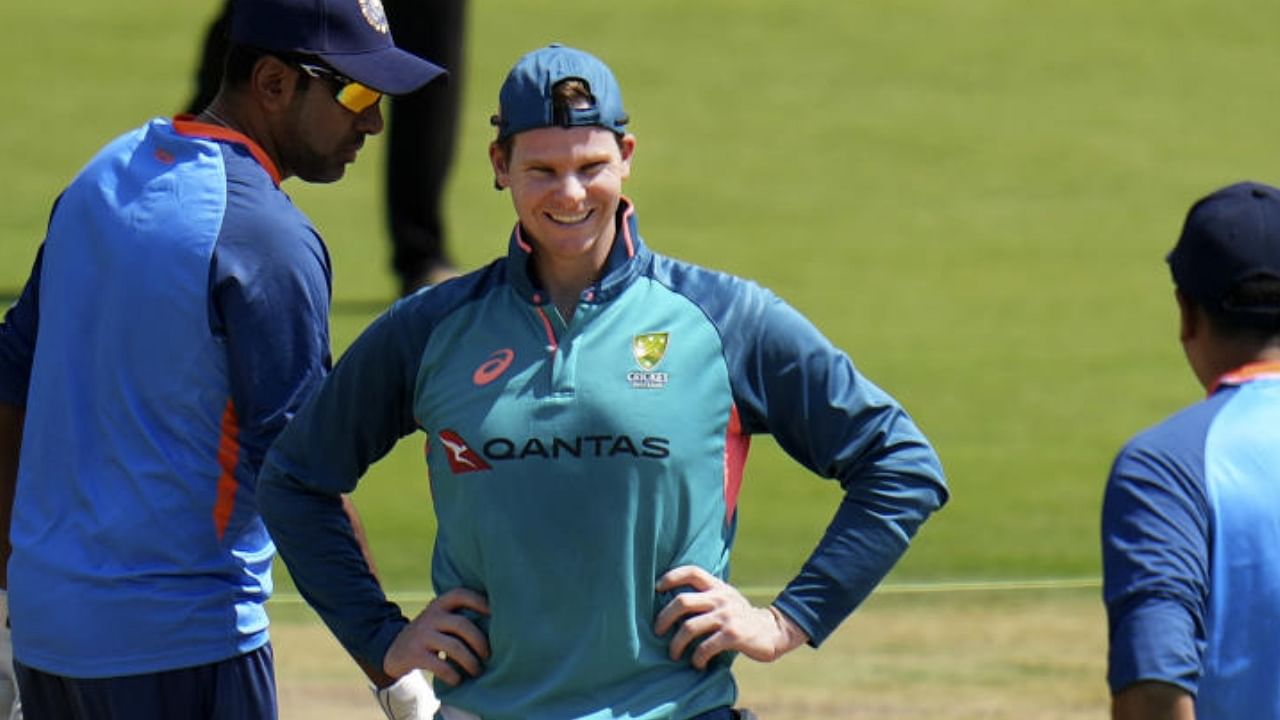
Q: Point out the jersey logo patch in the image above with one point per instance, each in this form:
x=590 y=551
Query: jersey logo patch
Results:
x=492 y=368
x=648 y=349
x=462 y=459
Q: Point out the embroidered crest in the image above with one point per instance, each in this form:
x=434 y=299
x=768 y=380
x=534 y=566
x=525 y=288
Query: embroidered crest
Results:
x=649 y=348
x=374 y=15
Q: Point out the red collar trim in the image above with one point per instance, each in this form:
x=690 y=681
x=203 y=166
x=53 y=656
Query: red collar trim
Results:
x=1252 y=371
x=628 y=209
x=189 y=126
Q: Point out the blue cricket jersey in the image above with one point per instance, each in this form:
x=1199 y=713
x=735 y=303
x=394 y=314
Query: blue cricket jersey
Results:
x=175 y=318
x=1191 y=551
x=574 y=463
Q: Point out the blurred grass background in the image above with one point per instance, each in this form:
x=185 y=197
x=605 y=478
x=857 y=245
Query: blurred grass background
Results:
x=974 y=199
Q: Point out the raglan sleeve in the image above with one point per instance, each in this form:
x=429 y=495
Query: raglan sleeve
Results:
x=355 y=417
x=270 y=302
x=794 y=384
x=1155 y=560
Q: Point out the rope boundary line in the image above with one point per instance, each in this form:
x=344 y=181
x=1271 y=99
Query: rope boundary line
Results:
x=905 y=588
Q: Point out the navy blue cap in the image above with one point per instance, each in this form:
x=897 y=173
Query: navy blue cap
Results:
x=1229 y=236
x=352 y=36
x=524 y=103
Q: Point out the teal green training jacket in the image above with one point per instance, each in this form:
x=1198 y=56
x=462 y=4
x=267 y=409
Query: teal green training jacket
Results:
x=573 y=464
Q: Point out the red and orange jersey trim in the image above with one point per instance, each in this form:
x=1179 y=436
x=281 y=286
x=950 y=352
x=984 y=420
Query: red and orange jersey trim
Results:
x=736 y=446
x=189 y=126
x=228 y=458
x=553 y=344
x=521 y=242
x=1245 y=373
x=628 y=210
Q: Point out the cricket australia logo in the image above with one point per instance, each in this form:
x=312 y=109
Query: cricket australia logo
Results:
x=374 y=15
x=462 y=459
x=648 y=349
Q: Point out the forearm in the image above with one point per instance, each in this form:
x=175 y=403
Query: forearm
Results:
x=374 y=673
x=10 y=446
x=1153 y=701
x=315 y=539
x=867 y=536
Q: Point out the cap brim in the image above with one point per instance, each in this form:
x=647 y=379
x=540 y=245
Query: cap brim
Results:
x=389 y=70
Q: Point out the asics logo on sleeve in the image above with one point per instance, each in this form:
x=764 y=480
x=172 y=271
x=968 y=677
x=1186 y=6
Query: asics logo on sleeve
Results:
x=492 y=368
x=462 y=459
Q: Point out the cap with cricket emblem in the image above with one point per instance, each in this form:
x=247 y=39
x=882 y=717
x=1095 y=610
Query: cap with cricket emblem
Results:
x=352 y=36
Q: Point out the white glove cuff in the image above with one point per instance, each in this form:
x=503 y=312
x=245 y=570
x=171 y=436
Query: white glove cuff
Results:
x=409 y=698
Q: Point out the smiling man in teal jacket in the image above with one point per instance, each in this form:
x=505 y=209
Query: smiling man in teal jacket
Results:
x=588 y=406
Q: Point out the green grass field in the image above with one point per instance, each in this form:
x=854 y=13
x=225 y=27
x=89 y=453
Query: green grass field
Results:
x=1034 y=655
x=973 y=198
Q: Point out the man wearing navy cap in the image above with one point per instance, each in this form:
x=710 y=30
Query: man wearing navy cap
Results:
x=175 y=319
x=1191 y=516
x=420 y=138
x=588 y=406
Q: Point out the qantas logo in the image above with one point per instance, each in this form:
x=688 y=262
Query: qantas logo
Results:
x=462 y=459
x=493 y=368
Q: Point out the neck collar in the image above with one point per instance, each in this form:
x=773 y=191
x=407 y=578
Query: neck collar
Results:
x=191 y=127
x=1263 y=369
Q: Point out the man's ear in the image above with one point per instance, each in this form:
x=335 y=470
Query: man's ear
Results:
x=501 y=167
x=273 y=82
x=627 y=149
x=1190 y=324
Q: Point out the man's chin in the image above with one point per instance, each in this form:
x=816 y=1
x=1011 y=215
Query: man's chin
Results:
x=327 y=175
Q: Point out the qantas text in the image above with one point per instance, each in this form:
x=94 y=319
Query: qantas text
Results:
x=590 y=446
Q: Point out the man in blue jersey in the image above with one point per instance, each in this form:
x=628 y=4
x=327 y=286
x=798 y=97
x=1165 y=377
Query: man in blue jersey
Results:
x=588 y=406
x=175 y=319
x=1191 y=516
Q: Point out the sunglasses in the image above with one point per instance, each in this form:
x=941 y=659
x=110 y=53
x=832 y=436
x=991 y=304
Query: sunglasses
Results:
x=350 y=94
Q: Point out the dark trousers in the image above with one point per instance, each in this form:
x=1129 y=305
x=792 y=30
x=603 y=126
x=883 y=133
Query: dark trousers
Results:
x=422 y=128
x=239 y=688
